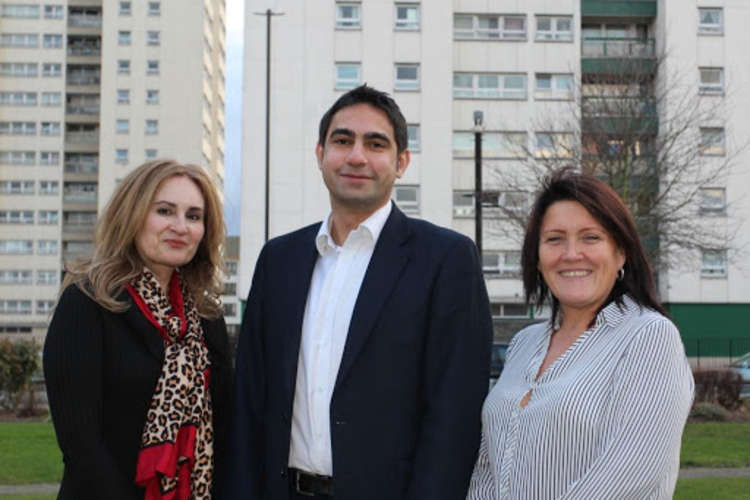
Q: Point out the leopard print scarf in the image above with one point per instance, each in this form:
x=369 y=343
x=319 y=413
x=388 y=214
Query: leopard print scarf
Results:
x=176 y=457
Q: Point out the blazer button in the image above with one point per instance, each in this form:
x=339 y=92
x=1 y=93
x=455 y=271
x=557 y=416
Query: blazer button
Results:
x=283 y=472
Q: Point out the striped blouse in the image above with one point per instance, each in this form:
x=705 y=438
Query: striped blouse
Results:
x=604 y=420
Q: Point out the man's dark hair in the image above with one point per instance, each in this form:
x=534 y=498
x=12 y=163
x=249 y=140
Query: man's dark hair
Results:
x=606 y=206
x=376 y=99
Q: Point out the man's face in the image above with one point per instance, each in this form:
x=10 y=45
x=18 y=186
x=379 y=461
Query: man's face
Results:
x=359 y=161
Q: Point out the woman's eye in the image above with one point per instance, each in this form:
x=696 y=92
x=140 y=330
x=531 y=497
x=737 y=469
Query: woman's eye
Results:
x=163 y=211
x=553 y=239
x=194 y=217
x=592 y=237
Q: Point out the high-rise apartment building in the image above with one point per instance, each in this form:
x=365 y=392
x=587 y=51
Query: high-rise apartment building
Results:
x=89 y=89
x=524 y=64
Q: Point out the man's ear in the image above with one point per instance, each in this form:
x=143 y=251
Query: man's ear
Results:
x=402 y=161
x=319 y=154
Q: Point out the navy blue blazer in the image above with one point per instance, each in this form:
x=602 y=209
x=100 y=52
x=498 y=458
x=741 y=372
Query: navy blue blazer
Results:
x=405 y=411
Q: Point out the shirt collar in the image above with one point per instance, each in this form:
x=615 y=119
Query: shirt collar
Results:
x=371 y=226
x=611 y=315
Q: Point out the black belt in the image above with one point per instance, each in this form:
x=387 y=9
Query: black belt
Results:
x=308 y=484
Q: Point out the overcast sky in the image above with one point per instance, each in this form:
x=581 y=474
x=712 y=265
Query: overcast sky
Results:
x=233 y=126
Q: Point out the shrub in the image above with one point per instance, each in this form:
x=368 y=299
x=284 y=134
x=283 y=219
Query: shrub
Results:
x=708 y=412
x=721 y=387
x=18 y=362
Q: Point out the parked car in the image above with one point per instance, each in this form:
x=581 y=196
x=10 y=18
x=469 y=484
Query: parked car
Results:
x=497 y=361
x=741 y=365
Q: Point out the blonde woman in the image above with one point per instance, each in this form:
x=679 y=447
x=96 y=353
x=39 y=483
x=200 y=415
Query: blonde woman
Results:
x=136 y=358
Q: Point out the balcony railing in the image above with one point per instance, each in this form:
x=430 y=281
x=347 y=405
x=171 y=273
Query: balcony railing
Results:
x=83 y=21
x=636 y=106
x=83 y=50
x=84 y=196
x=618 y=48
x=73 y=227
x=82 y=137
x=84 y=78
x=82 y=109
x=81 y=167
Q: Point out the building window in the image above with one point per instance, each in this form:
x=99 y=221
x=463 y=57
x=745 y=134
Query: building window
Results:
x=713 y=200
x=17 y=98
x=553 y=86
x=49 y=158
x=121 y=156
x=123 y=38
x=489 y=86
x=19 y=40
x=714 y=263
x=554 y=28
x=712 y=81
x=152 y=96
x=52 y=41
x=123 y=67
x=502 y=264
x=51 y=99
x=229 y=289
x=16 y=187
x=46 y=247
x=50 y=128
x=407 y=77
x=489 y=27
x=231 y=268
x=17 y=158
x=16 y=216
x=509 y=310
x=711 y=21
x=153 y=38
x=407 y=16
x=494 y=144
x=122 y=126
x=49 y=187
x=154 y=9
x=554 y=145
x=412 y=132
x=15 y=277
x=15 y=306
x=53 y=11
x=151 y=154
x=712 y=141
x=152 y=67
x=17 y=128
x=463 y=203
x=125 y=8
x=19 y=11
x=123 y=96
x=16 y=247
x=51 y=69
x=505 y=203
x=407 y=198
x=230 y=310
x=47 y=217
x=152 y=127
x=44 y=306
x=18 y=69
x=348 y=15
x=347 y=75
x=46 y=277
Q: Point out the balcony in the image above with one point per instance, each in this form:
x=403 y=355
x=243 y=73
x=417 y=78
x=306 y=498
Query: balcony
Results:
x=83 y=20
x=82 y=137
x=618 y=9
x=618 y=56
x=83 y=78
x=81 y=167
x=621 y=115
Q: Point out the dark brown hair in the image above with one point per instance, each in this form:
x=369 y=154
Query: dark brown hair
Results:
x=606 y=206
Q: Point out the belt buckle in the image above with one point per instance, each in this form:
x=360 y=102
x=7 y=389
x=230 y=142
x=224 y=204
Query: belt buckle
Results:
x=297 y=475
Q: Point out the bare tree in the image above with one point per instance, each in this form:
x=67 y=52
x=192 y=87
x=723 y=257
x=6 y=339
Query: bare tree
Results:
x=657 y=139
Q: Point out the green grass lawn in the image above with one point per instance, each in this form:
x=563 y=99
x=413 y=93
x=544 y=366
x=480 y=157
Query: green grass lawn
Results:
x=716 y=444
x=29 y=454
x=715 y=488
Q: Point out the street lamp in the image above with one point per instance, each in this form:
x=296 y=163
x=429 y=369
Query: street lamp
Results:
x=478 y=128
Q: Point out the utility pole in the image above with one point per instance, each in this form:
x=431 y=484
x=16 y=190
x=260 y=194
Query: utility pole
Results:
x=478 y=127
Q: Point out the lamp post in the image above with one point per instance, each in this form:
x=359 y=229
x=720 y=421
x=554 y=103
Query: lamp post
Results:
x=478 y=127
x=268 y=13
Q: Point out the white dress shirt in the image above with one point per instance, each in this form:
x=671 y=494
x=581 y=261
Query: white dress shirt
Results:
x=334 y=288
x=604 y=419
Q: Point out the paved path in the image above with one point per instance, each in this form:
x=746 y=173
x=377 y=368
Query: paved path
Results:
x=689 y=473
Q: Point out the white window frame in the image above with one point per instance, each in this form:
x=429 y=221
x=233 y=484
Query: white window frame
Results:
x=17 y=157
x=19 y=40
x=16 y=277
x=501 y=263
x=18 y=128
x=495 y=144
x=154 y=9
x=407 y=198
x=16 y=216
x=123 y=96
x=44 y=306
x=499 y=33
x=18 y=98
x=554 y=34
x=19 y=11
x=52 y=41
x=406 y=24
x=501 y=308
x=152 y=96
x=152 y=67
x=49 y=128
x=15 y=306
x=711 y=28
x=19 y=187
x=349 y=23
x=54 y=12
x=51 y=99
x=562 y=145
x=122 y=126
x=347 y=83
x=153 y=38
x=46 y=277
x=51 y=70
x=712 y=141
x=151 y=154
x=46 y=247
x=480 y=90
x=557 y=90
x=123 y=66
x=49 y=217
x=151 y=127
x=124 y=38
x=49 y=157
x=125 y=8
x=711 y=87
x=713 y=200
x=19 y=69
x=406 y=84
x=49 y=187
x=16 y=247
x=414 y=138
x=121 y=156
x=713 y=263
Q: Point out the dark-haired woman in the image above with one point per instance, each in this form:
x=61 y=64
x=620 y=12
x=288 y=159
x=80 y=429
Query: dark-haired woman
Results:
x=136 y=358
x=592 y=403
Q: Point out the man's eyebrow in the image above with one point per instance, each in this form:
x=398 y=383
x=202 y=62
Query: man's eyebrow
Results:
x=378 y=135
x=342 y=131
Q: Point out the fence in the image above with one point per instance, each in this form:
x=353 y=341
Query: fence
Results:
x=715 y=353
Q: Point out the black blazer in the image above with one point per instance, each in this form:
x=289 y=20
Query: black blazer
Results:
x=100 y=370
x=405 y=410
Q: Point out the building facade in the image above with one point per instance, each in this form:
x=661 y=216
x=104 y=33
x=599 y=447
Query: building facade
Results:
x=90 y=89
x=524 y=64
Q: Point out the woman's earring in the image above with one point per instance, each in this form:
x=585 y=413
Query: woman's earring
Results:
x=621 y=274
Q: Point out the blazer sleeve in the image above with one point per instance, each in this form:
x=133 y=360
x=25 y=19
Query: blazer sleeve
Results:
x=244 y=478
x=73 y=370
x=456 y=377
x=653 y=392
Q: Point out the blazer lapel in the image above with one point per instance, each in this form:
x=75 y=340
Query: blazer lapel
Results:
x=388 y=260
x=143 y=328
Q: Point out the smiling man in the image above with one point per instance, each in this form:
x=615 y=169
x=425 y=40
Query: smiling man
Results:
x=364 y=354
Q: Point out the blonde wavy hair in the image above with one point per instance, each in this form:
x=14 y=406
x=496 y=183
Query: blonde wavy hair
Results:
x=115 y=261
